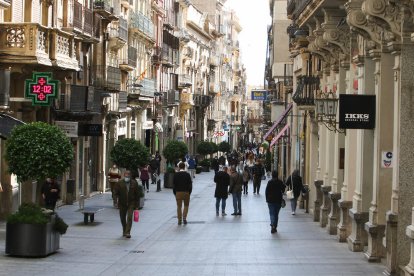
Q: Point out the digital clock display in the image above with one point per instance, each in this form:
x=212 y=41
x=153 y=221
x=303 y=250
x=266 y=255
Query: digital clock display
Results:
x=41 y=89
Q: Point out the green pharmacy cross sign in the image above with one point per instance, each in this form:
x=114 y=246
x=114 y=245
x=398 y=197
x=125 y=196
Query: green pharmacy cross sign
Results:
x=41 y=89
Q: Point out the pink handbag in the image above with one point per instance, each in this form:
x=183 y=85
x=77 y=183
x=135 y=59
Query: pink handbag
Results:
x=136 y=215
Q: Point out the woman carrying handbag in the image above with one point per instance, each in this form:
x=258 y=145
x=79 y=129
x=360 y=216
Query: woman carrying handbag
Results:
x=294 y=185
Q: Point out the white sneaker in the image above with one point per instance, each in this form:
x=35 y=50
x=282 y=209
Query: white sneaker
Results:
x=293 y=213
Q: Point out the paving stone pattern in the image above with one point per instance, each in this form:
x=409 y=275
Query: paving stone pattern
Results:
x=208 y=245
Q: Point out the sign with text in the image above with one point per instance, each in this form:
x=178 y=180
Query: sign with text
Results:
x=259 y=95
x=90 y=130
x=356 y=111
x=41 y=89
x=68 y=127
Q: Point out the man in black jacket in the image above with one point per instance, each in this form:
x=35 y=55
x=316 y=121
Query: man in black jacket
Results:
x=274 y=197
x=182 y=187
x=222 y=179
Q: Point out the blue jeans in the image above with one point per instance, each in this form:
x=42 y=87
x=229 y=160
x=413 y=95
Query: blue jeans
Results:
x=274 y=209
x=223 y=204
x=237 y=202
x=293 y=203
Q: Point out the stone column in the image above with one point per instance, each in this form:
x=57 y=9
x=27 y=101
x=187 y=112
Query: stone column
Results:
x=382 y=176
x=318 y=201
x=319 y=173
x=363 y=189
x=399 y=217
x=312 y=163
x=345 y=203
x=409 y=269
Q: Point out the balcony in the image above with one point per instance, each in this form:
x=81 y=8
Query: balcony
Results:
x=171 y=98
x=148 y=88
x=131 y=62
x=186 y=101
x=82 y=20
x=184 y=80
x=118 y=34
x=106 y=77
x=305 y=91
x=214 y=88
x=104 y=8
x=141 y=25
x=31 y=43
x=167 y=55
x=156 y=55
x=202 y=100
x=214 y=60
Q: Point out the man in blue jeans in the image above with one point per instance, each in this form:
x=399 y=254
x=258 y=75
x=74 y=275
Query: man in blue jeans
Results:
x=236 y=185
x=274 y=197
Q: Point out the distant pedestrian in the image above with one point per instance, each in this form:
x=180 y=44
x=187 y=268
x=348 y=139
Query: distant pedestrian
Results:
x=222 y=179
x=129 y=194
x=144 y=175
x=191 y=166
x=246 y=178
x=184 y=161
x=274 y=196
x=50 y=193
x=257 y=172
x=215 y=164
x=182 y=188
x=294 y=182
x=114 y=175
x=154 y=169
x=236 y=183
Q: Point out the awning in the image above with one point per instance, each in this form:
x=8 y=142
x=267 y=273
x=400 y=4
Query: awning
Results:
x=279 y=120
x=7 y=123
x=277 y=137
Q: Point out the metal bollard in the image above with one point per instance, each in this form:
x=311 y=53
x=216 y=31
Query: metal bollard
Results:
x=81 y=201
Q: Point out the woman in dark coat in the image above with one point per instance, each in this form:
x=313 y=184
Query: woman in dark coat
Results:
x=294 y=181
x=274 y=197
x=222 y=179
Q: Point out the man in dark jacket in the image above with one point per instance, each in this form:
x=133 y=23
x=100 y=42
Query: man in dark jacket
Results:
x=128 y=193
x=274 y=197
x=236 y=185
x=182 y=187
x=294 y=182
x=222 y=179
x=50 y=193
x=257 y=172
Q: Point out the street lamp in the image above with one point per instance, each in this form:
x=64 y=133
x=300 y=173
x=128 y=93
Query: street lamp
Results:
x=326 y=106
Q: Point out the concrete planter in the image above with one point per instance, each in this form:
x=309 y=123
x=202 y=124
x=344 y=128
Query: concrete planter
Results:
x=31 y=240
x=168 y=180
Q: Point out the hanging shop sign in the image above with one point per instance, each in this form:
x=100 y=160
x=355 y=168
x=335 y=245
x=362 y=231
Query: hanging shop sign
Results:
x=259 y=95
x=68 y=127
x=356 y=111
x=90 y=130
x=41 y=89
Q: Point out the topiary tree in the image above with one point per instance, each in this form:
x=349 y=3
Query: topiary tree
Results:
x=130 y=154
x=214 y=148
x=174 y=150
x=37 y=151
x=204 y=148
x=224 y=147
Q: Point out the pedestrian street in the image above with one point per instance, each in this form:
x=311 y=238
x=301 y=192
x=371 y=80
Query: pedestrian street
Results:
x=207 y=245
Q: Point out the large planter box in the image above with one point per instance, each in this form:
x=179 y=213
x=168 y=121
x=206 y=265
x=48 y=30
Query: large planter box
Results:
x=168 y=180
x=205 y=168
x=31 y=240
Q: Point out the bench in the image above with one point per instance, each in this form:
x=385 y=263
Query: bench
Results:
x=89 y=213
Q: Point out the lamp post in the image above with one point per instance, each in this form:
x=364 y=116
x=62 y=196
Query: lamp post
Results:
x=326 y=107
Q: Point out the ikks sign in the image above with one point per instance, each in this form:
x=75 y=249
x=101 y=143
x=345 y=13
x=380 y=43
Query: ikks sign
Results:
x=259 y=95
x=356 y=111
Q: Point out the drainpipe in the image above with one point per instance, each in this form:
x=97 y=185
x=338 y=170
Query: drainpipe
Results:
x=5 y=88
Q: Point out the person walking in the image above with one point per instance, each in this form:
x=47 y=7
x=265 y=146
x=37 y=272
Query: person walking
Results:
x=182 y=187
x=246 y=178
x=294 y=182
x=114 y=175
x=258 y=172
x=191 y=166
x=129 y=193
x=144 y=175
x=50 y=193
x=154 y=169
x=215 y=164
x=236 y=183
x=274 y=197
x=222 y=179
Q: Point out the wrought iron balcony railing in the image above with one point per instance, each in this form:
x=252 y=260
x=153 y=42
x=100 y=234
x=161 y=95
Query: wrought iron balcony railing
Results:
x=106 y=77
x=139 y=23
x=305 y=90
x=148 y=87
x=184 y=80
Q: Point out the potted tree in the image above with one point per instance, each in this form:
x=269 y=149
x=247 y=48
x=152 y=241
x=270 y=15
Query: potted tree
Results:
x=173 y=150
x=131 y=154
x=29 y=158
x=224 y=147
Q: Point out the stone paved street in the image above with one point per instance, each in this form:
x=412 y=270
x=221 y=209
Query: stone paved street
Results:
x=208 y=245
